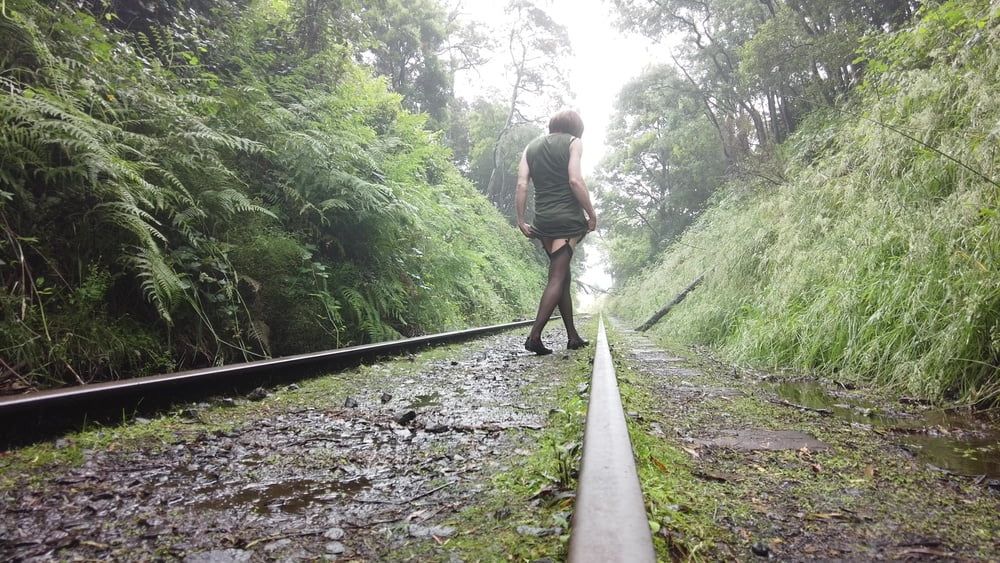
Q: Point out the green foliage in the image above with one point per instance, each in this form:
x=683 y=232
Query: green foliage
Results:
x=878 y=258
x=665 y=164
x=167 y=204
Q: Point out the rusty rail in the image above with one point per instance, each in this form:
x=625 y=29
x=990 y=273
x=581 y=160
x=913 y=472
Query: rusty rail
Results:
x=609 y=521
x=32 y=416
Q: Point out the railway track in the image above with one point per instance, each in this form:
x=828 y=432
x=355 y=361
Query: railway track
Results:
x=609 y=522
x=33 y=416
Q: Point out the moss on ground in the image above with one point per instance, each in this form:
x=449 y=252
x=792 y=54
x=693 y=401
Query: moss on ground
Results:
x=864 y=497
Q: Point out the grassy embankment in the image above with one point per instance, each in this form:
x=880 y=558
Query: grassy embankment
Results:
x=875 y=252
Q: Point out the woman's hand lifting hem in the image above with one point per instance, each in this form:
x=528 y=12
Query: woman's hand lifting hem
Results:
x=592 y=223
x=526 y=230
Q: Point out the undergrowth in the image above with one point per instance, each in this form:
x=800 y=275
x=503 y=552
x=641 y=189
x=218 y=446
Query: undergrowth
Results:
x=182 y=194
x=877 y=259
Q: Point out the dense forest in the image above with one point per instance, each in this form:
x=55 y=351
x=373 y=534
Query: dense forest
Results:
x=830 y=168
x=193 y=182
x=188 y=183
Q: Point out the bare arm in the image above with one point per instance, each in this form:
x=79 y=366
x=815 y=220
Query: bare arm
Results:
x=577 y=185
x=521 y=194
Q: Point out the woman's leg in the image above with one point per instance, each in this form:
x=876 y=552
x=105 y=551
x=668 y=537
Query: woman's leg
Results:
x=560 y=253
x=566 y=300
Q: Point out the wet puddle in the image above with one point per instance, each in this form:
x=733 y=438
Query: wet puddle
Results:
x=964 y=444
x=289 y=497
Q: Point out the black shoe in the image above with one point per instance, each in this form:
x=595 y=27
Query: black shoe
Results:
x=576 y=343
x=535 y=345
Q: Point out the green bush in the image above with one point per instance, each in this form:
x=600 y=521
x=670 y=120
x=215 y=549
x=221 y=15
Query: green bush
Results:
x=158 y=211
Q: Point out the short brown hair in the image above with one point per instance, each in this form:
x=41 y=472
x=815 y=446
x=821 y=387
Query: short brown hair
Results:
x=566 y=121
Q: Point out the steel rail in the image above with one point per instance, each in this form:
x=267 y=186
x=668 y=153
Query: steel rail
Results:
x=609 y=520
x=59 y=409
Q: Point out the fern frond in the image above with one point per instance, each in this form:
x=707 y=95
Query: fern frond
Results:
x=161 y=285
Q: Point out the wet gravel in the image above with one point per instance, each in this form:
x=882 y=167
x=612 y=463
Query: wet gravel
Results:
x=354 y=479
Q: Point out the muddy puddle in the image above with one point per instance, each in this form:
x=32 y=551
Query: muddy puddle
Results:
x=292 y=496
x=962 y=443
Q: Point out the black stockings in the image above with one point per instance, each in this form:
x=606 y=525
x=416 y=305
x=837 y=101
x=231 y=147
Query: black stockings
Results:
x=557 y=294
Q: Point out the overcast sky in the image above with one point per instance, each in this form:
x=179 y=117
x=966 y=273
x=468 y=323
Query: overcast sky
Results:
x=603 y=61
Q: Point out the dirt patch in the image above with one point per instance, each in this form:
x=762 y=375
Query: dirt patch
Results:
x=756 y=439
x=327 y=469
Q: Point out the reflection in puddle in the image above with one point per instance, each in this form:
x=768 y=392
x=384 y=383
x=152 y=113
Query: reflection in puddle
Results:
x=290 y=497
x=811 y=394
x=964 y=444
x=980 y=456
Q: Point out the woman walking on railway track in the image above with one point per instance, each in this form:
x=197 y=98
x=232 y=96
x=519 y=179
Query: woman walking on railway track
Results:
x=563 y=216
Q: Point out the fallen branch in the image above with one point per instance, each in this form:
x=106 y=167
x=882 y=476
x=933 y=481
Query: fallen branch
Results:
x=407 y=501
x=784 y=403
x=493 y=427
x=673 y=302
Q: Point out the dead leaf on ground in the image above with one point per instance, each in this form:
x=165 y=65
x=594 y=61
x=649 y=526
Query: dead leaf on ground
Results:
x=659 y=464
x=692 y=452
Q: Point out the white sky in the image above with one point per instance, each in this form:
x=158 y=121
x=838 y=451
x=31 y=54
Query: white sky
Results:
x=603 y=61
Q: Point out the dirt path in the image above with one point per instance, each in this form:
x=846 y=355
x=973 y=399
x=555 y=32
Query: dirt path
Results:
x=360 y=465
x=744 y=465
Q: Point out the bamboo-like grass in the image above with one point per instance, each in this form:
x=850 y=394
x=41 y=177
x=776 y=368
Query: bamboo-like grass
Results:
x=879 y=258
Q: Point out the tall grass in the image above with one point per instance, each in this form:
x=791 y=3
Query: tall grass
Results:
x=879 y=258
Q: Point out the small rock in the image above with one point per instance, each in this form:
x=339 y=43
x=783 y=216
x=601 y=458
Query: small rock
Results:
x=503 y=513
x=454 y=363
x=141 y=420
x=219 y=556
x=257 y=394
x=385 y=398
x=63 y=443
x=994 y=485
x=418 y=531
x=293 y=387
x=227 y=402
x=334 y=534
x=582 y=388
x=350 y=403
x=761 y=550
x=335 y=548
x=276 y=545
x=405 y=418
x=538 y=532
x=437 y=429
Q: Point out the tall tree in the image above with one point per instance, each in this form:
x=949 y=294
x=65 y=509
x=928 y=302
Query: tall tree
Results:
x=666 y=162
x=538 y=48
x=761 y=65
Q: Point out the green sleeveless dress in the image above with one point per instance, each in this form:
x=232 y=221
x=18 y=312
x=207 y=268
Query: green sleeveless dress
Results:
x=557 y=212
